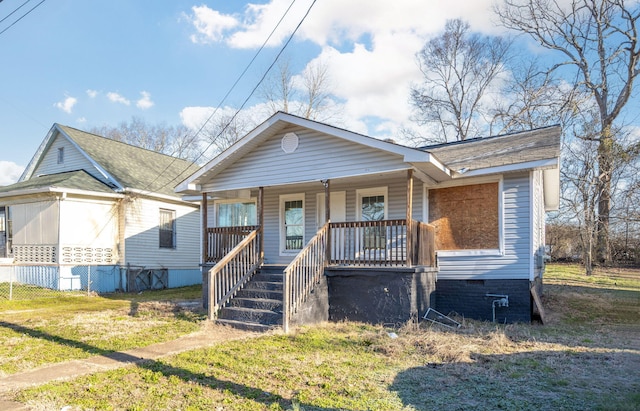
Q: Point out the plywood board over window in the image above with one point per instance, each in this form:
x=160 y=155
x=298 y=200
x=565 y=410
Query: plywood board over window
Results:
x=466 y=217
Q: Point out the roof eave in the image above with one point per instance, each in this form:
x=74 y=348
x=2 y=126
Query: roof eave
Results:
x=544 y=164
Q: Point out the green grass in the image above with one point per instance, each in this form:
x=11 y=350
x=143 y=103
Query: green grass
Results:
x=70 y=326
x=587 y=356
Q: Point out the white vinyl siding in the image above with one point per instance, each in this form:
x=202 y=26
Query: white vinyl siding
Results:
x=514 y=263
x=142 y=234
x=317 y=157
x=73 y=159
x=538 y=226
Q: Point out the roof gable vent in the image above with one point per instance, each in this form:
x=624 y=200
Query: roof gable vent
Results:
x=289 y=143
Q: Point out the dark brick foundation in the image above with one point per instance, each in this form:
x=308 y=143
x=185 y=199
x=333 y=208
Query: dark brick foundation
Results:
x=469 y=299
x=380 y=296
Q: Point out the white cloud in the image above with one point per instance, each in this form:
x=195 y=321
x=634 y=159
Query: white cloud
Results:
x=210 y=24
x=117 y=98
x=67 y=104
x=92 y=93
x=145 y=102
x=370 y=59
x=10 y=172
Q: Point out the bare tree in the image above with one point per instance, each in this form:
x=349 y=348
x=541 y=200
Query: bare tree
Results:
x=530 y=98
x=175 y=141
x=599 y=40
x=306 y=95
x=459 y=68
x=223 y=129
x=579 y=180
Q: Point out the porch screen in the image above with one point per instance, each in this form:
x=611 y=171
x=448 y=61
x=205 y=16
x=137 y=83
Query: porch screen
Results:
x=465 y=217
x=236 y=214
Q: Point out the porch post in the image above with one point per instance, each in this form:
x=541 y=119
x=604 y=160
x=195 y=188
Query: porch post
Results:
x=409 y=217
x=327 y=217
x=260 y=218
x=205 y=236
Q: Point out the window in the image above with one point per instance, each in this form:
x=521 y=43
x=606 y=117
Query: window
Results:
x=292 y=222
x=373 y=207
x=466 y=217
x=167 y=228
x=60 y=155
x=235 y=213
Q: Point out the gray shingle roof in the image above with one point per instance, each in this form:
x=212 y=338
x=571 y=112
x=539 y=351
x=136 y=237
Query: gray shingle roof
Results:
x=133 y=167
x=479 y=153
x=79 y=180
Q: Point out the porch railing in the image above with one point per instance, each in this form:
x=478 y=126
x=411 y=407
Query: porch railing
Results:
x=221 y=240
x=233 y=271
x=424 y=245
x=303 y=273
x=382 y=243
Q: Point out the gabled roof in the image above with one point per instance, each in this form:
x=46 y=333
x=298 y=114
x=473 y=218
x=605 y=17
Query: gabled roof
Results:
x=123 y=166
x=70 y=181
x=480 y=155
x=279 y=121
x=535 y=149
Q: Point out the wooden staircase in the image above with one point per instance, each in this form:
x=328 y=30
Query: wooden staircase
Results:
x=258 y=305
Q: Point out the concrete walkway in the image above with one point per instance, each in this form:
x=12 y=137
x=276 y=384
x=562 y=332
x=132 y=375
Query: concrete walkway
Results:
x=210 y=335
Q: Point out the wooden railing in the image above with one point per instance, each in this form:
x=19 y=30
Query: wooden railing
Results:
x=303 y=273
x=424 y=244
x=233 y=271
x=221 y=240
x=382 y=243
x=359 y=243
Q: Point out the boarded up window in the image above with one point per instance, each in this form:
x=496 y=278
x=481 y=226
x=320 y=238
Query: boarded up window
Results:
x=465 y=217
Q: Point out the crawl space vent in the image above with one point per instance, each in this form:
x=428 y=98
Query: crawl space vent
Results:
x=289 y=143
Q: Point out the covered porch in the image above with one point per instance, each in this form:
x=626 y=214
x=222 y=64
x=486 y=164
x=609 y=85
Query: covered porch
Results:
x=233 y=254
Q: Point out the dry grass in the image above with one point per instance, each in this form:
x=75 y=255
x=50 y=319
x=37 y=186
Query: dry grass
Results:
x=587 y=356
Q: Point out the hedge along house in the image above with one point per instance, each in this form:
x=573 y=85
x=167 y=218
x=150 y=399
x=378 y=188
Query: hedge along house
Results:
x=94 y=213
x=369 y=230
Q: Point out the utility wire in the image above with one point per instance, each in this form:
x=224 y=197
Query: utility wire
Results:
x=252 y=91
x=14 y=11
x=21 y=17
x=221 y=102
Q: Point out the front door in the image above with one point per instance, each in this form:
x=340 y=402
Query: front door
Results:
x=291 y=223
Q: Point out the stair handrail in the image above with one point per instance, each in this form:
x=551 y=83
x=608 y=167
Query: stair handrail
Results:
x=232 y=272
x=303 y=274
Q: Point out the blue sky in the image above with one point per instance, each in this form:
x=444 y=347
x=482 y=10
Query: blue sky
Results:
x=92 y=63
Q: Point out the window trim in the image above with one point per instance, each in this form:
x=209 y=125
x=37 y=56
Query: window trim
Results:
x=282 y=235
x=370 y=192
x=494 y=252
x=217 y=202
x=174 y=244
x=60 y=155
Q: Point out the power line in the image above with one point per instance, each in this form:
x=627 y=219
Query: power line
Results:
x=252 y=91
x=21 y=17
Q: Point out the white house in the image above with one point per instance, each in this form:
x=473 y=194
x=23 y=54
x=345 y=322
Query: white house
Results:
x=93 y=212
x=370 y=230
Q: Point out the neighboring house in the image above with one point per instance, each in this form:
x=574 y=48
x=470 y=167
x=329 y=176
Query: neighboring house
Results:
x=91 y=212
x=456 y=227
